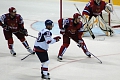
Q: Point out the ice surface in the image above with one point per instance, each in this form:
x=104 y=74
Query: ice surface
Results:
x=75 y=64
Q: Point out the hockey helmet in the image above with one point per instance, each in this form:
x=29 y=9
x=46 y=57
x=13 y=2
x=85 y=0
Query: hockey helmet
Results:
x=76 y=15
x=12 y=9
x=97 y=1
x=48 y=22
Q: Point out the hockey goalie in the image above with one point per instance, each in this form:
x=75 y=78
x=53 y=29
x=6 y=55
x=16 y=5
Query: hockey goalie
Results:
x=92 y=16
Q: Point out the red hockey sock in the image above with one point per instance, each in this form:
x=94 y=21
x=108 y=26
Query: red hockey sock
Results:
x=63 y=49
x=10 y=43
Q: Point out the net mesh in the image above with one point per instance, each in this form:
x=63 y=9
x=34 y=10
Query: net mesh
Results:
x=114 y=19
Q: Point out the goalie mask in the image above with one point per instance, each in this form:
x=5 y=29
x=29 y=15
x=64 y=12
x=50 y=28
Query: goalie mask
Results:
x=97 y=1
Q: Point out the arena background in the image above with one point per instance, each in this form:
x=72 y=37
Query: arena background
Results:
x=115 y=2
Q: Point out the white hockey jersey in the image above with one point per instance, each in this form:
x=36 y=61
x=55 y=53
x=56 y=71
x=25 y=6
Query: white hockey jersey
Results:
x=43 y=40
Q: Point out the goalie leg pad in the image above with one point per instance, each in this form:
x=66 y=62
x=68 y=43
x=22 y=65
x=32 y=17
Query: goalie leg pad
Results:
x=104 y=27
x=89 y=24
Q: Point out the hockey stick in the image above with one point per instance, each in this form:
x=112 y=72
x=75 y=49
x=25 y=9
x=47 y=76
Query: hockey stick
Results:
x=26 y=56
x=28 y=34
x=96 y=58
x=32 y=36
x=90 y=31
x=90 y=53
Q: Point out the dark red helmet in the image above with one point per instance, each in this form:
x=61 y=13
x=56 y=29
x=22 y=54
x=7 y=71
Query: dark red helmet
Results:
x=12 y=9
x=76 y=15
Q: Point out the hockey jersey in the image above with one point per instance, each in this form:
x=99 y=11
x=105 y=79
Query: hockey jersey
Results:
x=71 y=29
x=93 y=9
x=14 y=24
x=43 y=40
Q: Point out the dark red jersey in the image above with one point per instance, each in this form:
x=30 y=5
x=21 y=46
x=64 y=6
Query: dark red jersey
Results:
x=93 y=9
x=14 y=24
x=70 y=27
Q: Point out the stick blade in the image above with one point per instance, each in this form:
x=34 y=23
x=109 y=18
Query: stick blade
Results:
x=93 y=36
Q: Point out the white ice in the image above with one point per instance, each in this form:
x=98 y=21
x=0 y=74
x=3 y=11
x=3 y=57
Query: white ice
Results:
x=75 y=64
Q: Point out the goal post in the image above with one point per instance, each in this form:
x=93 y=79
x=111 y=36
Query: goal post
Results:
x=60 y=8
x=112 y=18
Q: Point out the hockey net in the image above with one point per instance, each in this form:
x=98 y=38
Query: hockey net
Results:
x=112 y=19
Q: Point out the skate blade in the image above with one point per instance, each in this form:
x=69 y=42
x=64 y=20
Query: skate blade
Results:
x=59 y=60
x=14 y=55
x=45 y=79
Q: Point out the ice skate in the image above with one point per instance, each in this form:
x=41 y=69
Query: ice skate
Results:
x=43 y=74
x=30 y=50
x=59 y=58
x=45 y=77
x=88 y=54
x=12 y=52
x=111 y=33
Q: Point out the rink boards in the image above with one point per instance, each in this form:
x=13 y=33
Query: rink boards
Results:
x=115 y=2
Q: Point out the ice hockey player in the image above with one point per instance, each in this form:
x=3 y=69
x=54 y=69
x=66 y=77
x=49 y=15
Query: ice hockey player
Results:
x=41 y=47
x=12 y=23
x=71 y=28
x=93 y=10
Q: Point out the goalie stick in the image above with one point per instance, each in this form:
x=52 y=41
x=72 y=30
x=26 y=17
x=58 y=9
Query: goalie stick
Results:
x=90 y=53
x=90 y=31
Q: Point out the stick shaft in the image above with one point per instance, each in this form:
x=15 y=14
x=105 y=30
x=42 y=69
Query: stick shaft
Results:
x=26 y=56
x=96 y=58
x=90 y=53
x=32 y=36
x=90 y=31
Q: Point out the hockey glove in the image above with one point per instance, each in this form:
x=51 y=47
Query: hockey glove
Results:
x=62 y=31
x=80 y=43
x=24 y=31
x=5 y=27
x=57 y=38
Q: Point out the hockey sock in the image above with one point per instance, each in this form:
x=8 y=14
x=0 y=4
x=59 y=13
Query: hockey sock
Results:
x=63 y=49
x=44 y=68
x=10 y=43
x=83 y=46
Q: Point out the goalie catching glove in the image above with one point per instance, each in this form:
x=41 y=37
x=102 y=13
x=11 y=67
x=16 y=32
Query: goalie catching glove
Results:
x=109 y=8
x=24 y=31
